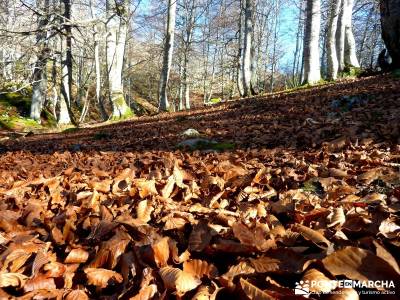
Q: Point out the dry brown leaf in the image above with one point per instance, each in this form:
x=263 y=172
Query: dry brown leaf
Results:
x=77 y=295
x=144 y=210
x=161 y=251
x=324 y=285
x=12 y=279
x=253 y=292
x=389 y=229
x=243 y=234
x=176 y=279
x=77 y=256
x=39 y=282
x=200 y=237
x=200 y=268
x=310 y=234
x=355 y=263
x=337 y=217
x=146 y=187
x=145 y=293
x=169 y=187
x=101 y=277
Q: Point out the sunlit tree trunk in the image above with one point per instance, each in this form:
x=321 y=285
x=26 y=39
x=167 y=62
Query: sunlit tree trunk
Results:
x=167 y=59
x=66 y=67
x=350 y=52
x=333 y=63
x=312 y=72
x=117 y=28
x=248 y=35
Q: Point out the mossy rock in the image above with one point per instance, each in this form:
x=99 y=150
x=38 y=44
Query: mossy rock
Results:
x=18 y=123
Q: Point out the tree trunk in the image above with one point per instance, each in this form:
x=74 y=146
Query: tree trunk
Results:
x=63 y=117
x=312 y=72
x=350 y=56
x=167 y=59
x=390 y=21
x=248 y=34
x=66 y=67
x=333 y=63
x=117 y=27
x=239 y=74
x=39 y=85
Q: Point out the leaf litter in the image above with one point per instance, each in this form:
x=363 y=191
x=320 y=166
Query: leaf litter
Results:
x=131 y=217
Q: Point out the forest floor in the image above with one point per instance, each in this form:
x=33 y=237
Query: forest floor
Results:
x=292 y=186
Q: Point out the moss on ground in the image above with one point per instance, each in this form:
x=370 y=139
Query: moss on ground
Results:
x=19 y=123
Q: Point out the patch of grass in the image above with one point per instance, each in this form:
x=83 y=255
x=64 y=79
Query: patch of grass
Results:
x=352 y=72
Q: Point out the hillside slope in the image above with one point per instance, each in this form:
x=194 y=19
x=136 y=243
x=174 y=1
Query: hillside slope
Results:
x=292 y=186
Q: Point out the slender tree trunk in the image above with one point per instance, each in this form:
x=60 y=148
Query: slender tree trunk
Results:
x=248 y=34
x=350 y=52
x=167 y=59
x=39 y=85
x=333 y=63
x=66 y=67
x=239 y=73
x=117 y=27
x=312 y=73
x=340 y=37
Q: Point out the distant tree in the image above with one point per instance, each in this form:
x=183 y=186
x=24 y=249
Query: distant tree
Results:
x=247 y=46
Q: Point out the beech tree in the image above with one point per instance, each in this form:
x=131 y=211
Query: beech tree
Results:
x=117 y=27
x=167 y=57
x=312 y=73
x=247 y=46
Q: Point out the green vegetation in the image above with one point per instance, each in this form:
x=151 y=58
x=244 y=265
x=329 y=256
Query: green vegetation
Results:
x=18 y=123
x=350 y=71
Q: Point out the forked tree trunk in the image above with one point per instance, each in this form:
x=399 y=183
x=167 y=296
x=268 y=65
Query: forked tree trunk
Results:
x=312 y=73
x=167 y=59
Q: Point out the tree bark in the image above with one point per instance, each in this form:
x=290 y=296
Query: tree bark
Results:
x=390 y=22
x=333 y=63
x=39 y=85
x=117 y=27
x=312 y=67
x=350 y=52
x=248 y=34
x=167 y=59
